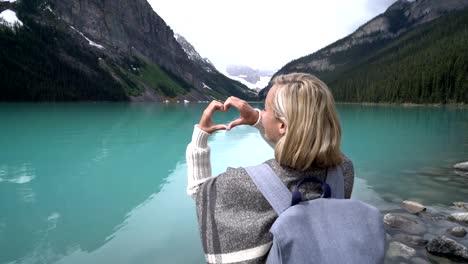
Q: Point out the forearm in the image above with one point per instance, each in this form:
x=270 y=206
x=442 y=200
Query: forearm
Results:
x=198 y=160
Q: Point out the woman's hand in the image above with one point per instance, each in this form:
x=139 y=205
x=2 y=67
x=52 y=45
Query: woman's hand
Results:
x=206 y=122
x=248 y=115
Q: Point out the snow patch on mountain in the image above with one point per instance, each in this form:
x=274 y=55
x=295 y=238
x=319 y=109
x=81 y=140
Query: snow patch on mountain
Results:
x=262 y=83
x=252 y=78
x=92 y=43
x=9 y=19
x=193 y=55
x=206 y=86
x=189 y=50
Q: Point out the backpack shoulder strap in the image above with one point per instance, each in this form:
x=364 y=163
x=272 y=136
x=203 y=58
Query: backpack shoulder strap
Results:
x=335 y=179
x=271 y=186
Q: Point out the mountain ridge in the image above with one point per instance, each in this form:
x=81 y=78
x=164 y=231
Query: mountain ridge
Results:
x=333 y=61
x=193 y=54
x=133 y=49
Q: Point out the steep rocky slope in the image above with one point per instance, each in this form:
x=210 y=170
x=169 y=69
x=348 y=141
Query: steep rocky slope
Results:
x=336 y=62
x=92 y=46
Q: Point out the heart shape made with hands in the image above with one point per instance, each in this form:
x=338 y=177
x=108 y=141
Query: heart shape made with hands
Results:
x=247 y=115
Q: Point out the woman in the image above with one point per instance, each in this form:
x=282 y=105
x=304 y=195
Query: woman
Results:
x=301 y=123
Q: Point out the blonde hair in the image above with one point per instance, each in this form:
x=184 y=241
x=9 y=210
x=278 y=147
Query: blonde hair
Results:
x=313 y=133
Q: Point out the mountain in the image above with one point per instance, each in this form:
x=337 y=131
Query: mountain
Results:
x=247 y=73
x=100 y=50
x=255 y=79
x=416 y=51
x=209 y=68
x=193 y=54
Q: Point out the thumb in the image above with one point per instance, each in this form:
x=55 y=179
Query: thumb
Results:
x=238 y=121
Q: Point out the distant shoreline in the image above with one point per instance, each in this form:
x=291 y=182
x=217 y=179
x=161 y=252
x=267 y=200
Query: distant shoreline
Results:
x=463 y=105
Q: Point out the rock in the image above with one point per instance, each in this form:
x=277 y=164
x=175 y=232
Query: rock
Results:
x=133 y=28
x=432 y=217
x=413 y=207
x=459 y=217
x=447 y=247
x=461 y=205
x=388 y=236
x=457 y=231
x=461 y=173
x=411 y=240
x=463 y=166
x=397 y=249
x=439 y=259
x=419 y=260
x=404 y=222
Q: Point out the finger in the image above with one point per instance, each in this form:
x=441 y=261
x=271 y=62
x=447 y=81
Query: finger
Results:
x=205 y=120
x=227 y=104
x=213 y=106
x=219 y=127
x=233 y=101
x=238 y=121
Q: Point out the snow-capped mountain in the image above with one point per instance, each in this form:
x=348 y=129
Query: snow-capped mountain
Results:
x=255 y=79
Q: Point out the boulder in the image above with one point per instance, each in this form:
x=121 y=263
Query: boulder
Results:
x=405 y=223
x=413 y=207
x=448 y=248
x=459 y=217
x=418 y=260
x=388 y=236
x=411 y=240
x=461 y=173
x=432 y=217
x=461 y=205
x=397 y=249
x=463 y=166
x=457 y=231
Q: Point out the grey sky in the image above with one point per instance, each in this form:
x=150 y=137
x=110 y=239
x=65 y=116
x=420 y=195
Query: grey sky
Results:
x=376 y=6
x=264 y=34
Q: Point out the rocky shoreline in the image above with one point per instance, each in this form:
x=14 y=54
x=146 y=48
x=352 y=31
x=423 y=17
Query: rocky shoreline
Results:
x=461 y=168
x=420 y=234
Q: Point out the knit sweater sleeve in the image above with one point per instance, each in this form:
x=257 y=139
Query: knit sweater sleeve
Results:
x=198 y=156
x=198 y=160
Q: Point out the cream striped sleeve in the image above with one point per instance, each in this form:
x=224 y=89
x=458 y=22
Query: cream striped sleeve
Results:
x=259 y=125
x=198 y=160
x=198 y=157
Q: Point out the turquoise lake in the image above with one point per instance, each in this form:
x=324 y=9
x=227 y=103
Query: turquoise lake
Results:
x=85 y=183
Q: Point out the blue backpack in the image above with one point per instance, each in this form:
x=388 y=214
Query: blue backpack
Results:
x=329 y=229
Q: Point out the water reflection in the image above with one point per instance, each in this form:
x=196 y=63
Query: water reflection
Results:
x=18 y=174
x=153 y=232
x=88 y=174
